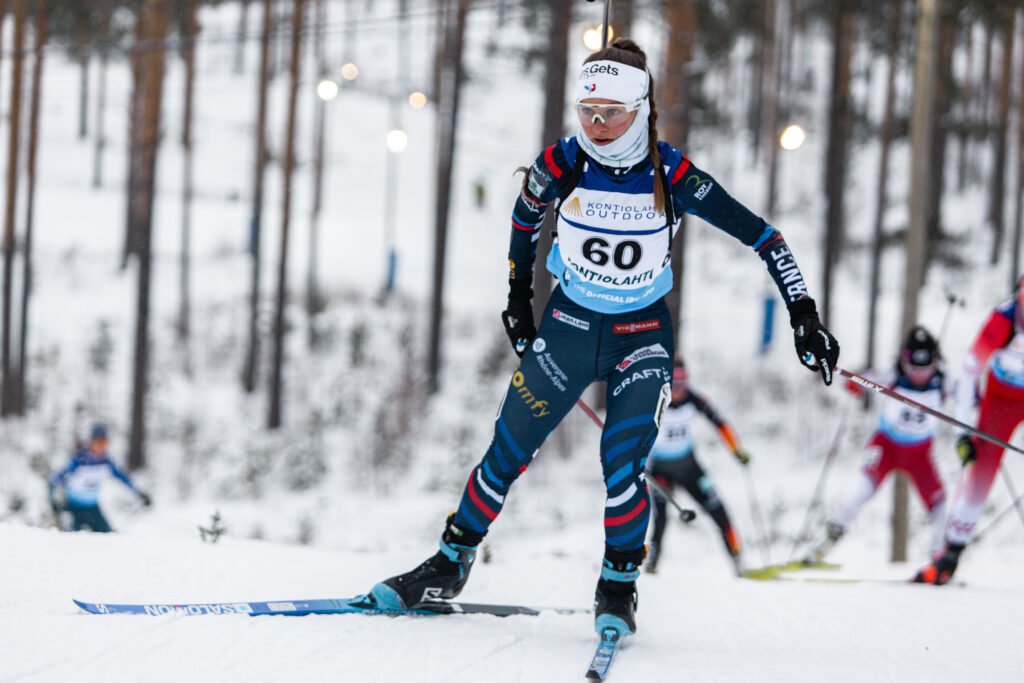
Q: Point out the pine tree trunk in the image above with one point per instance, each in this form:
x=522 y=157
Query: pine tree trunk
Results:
x=313 y=303
x=84 y=54
x=942 y=112
x=922 y=120
x=277 y=373
x=250 y=369
x=188 y=56
x=886 y=134
x=555 y=69
x=1018 y=214
x=755 y=105
x=997 y=198
x=674 y=106
x=8 y=373
x=773 y=68
x=104 y=37
x=240 y=41
x=156 y=17
x=447 y=116
x=966 y=108
x=843 y=28
x=41 y=16
x=442 y=12
x=622 y=18
x=135 y=104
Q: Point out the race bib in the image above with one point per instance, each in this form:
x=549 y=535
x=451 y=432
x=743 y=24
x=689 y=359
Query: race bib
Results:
x=612 y=239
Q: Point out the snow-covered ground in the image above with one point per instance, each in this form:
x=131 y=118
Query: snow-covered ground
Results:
x=697 y=622
x=355 y=487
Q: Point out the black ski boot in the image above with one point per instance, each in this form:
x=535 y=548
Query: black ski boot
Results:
x=941 y=570
x=615 y=598
x=441 y=577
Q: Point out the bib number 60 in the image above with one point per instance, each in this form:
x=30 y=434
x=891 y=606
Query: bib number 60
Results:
x=625 y=256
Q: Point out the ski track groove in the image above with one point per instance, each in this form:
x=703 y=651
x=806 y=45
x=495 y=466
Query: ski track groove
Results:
x=469 y=665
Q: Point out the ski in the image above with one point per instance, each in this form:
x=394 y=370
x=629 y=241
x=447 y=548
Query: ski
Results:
x=774 y=570
x=298 y=608
x=794 y=574
x=604 y=655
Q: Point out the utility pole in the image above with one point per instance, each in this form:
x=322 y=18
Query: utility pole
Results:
x=920 y=164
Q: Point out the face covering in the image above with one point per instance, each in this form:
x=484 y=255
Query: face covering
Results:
x=622 y=83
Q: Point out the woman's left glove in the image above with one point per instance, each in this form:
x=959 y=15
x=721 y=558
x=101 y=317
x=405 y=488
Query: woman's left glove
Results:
x=518 y=320
x=816 y=348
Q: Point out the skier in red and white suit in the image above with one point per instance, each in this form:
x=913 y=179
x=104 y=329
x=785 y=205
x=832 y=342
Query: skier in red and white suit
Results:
x=994 y=372
x=903 y=441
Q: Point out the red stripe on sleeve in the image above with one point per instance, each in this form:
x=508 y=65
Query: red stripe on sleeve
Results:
x=622 y=519
x=681 y=170
x=549 y=159
x=519 y=226
x=770 y=242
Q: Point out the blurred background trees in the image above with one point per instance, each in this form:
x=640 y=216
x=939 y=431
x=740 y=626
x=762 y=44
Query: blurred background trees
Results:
x=729 y=73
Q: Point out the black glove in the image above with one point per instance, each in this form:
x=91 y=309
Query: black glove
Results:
x=965 y=449
x=518 y=320
x=816 y=348
x=146 y=500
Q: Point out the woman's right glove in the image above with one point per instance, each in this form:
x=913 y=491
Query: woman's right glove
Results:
x=816 y=348
x=518 y=320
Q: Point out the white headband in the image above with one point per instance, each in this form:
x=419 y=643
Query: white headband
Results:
x=613 y=81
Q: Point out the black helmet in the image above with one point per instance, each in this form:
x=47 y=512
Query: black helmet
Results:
x=920 y=348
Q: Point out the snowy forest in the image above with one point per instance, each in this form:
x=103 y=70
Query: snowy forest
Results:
x=261 y=247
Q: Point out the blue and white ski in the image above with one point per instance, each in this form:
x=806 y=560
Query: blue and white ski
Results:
x=604 y=655
x=296 y=608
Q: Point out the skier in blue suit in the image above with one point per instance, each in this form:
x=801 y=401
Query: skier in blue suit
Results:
x=81 y=480
x=618 y=193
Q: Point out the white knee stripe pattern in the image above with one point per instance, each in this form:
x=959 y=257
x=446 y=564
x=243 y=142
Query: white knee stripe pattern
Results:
x=487 y=489
x=622 y=497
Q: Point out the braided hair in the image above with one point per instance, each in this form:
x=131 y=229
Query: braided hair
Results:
x=625 y=51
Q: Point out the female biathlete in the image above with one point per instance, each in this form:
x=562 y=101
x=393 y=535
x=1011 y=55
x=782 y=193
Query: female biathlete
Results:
x=994 y=371
x=673 y=462
x=618 y=192
x=903 y=441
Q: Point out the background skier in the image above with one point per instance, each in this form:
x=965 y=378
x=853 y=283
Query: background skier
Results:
x=81 y=480
x=903 y=440
x=673 y=461
x=993 y=372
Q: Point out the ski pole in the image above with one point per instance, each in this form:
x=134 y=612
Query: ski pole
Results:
x=755 y=511
x=865 y=382
x=833 y=449
x=685 y=514
x=951 y=300
x=998 y=518
x=604 y=27
x=1013 y=491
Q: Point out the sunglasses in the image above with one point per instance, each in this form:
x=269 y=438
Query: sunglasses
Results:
x=608 y=114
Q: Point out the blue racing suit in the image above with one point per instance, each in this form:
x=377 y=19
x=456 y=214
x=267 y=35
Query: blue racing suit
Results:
x=606 y=320
x=82 y=478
